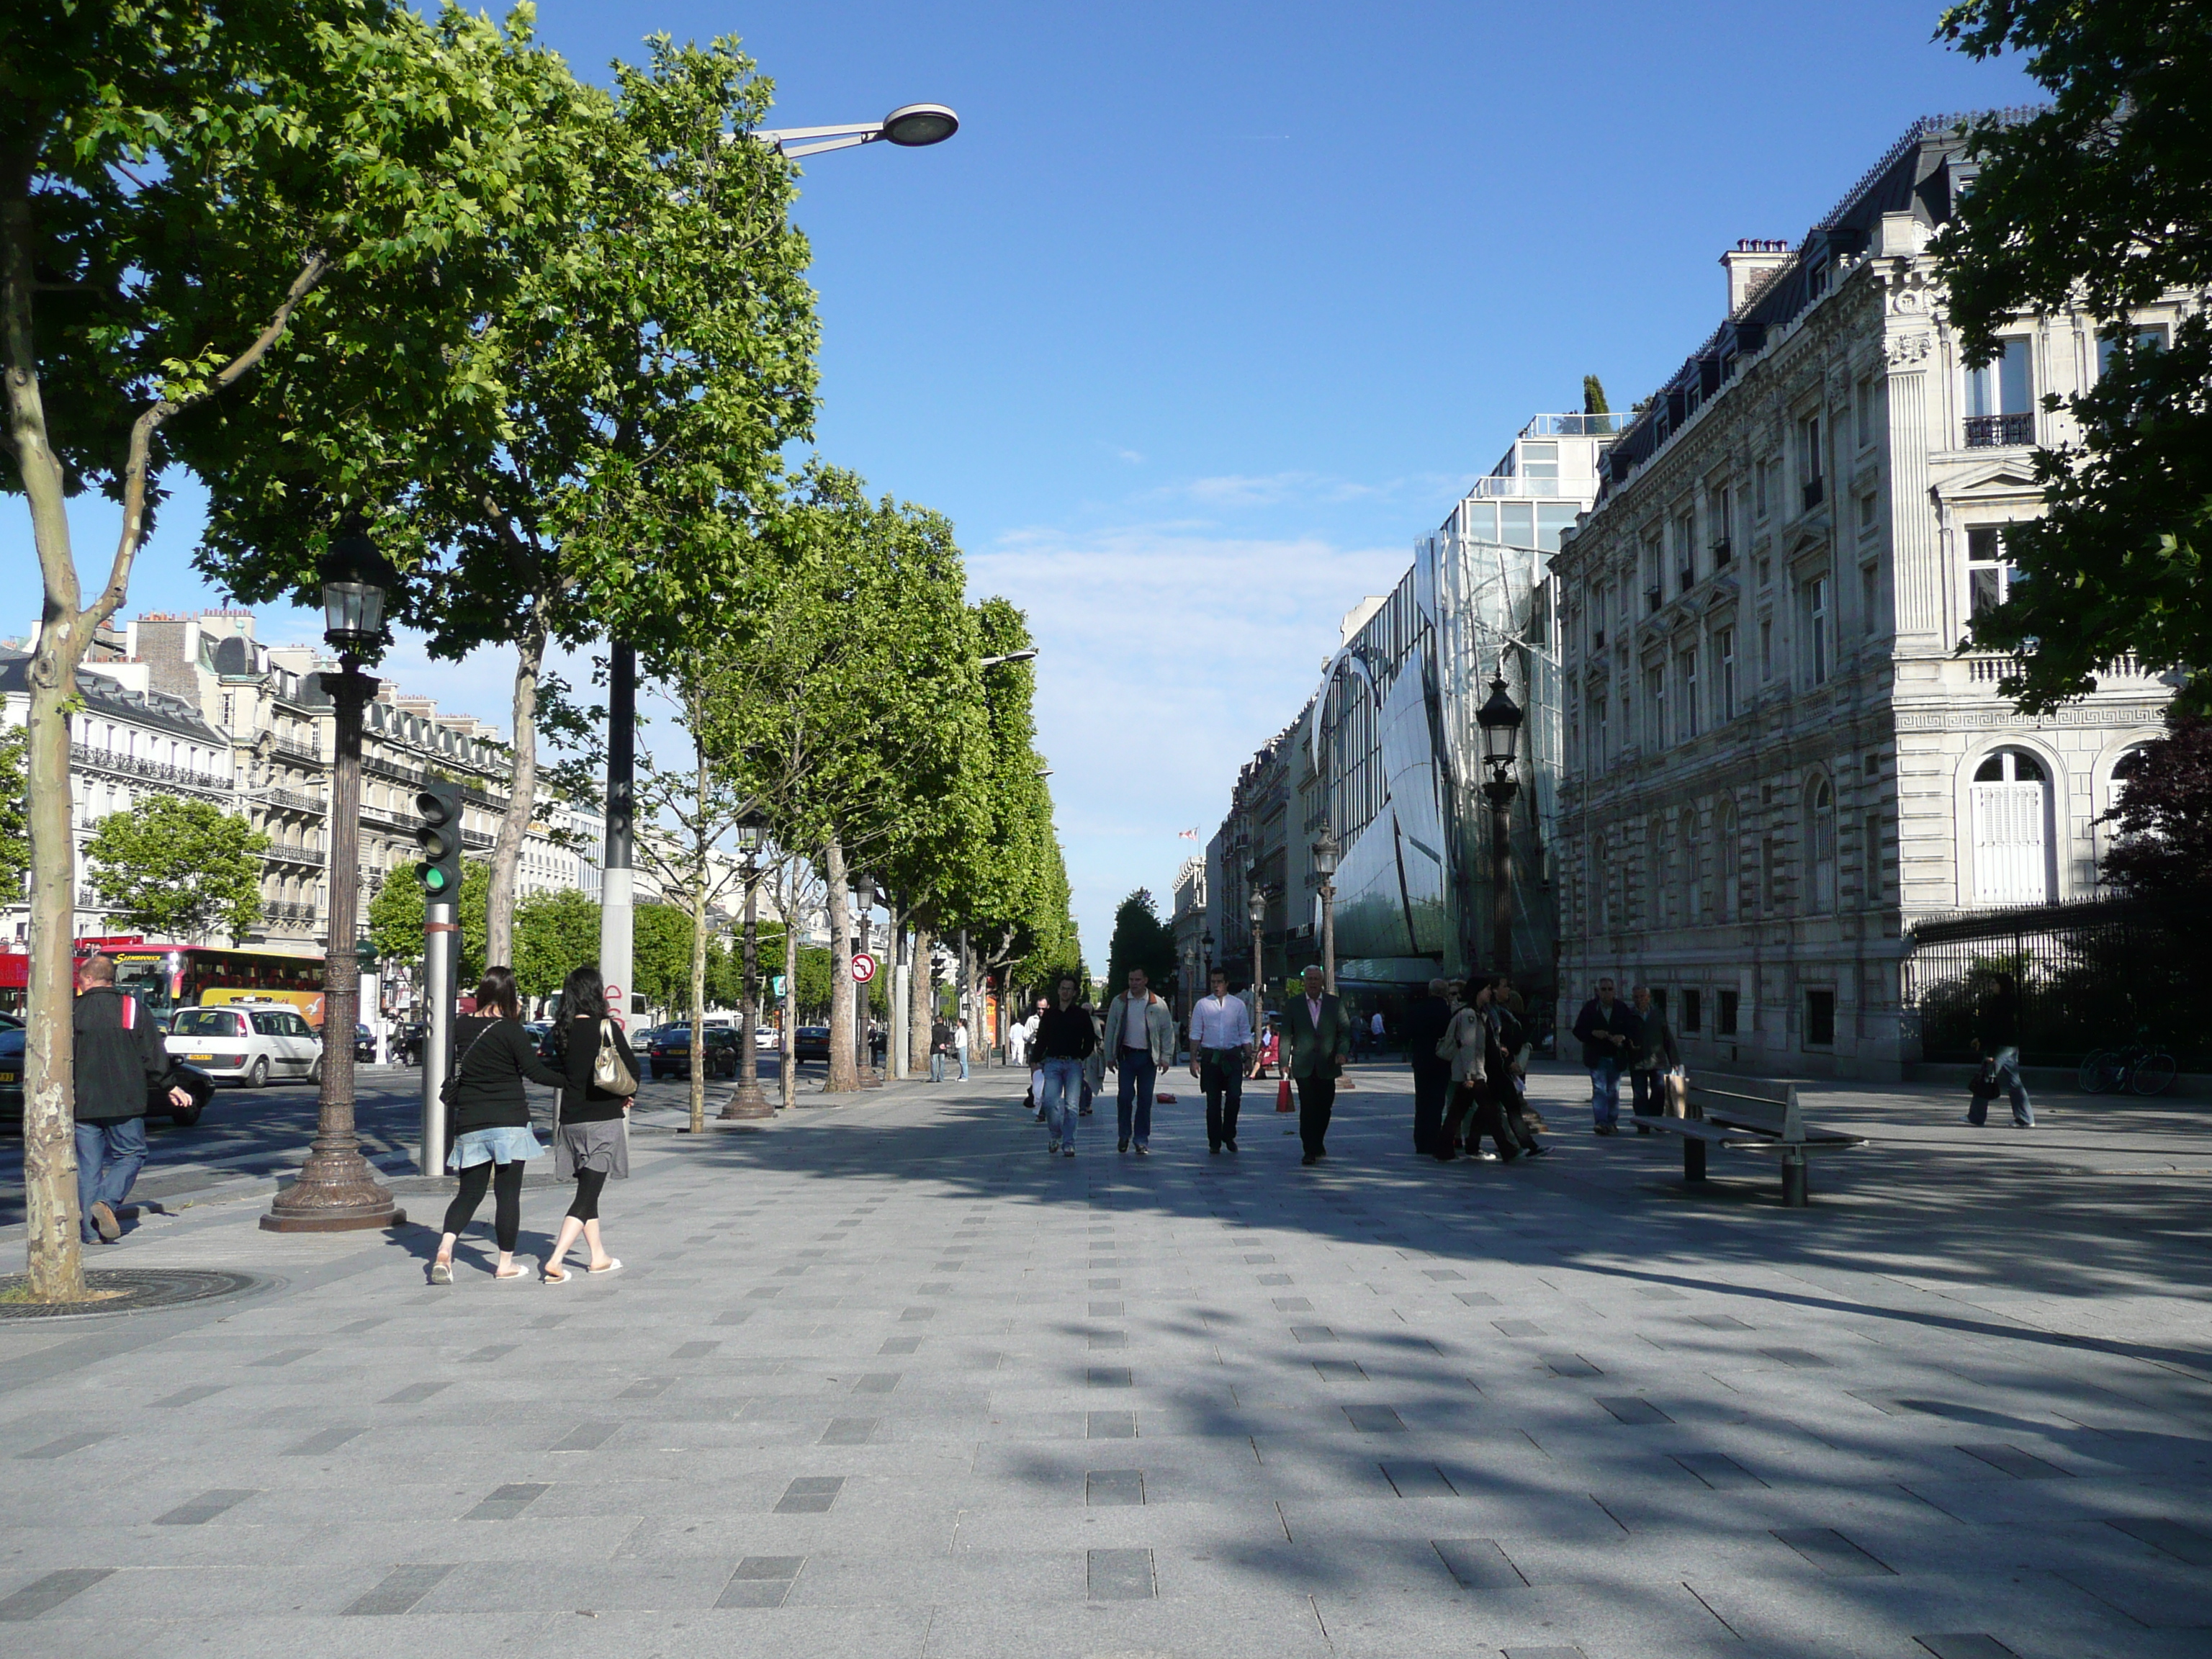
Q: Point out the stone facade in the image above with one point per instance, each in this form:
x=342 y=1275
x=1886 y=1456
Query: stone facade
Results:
x=1777 y=759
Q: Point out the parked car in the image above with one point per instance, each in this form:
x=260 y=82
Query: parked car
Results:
x=192 y=1080
x=247 y=1043
x=669 y=1052
x=364 y=1046
x=811 y=1042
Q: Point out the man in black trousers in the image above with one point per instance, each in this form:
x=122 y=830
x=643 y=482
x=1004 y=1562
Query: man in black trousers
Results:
x=1425 y=1022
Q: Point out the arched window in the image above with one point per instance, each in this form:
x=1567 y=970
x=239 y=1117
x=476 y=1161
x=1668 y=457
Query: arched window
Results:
x=1694 y=867
x=1728 y=865
x=1822 y=799
x=2011 y=813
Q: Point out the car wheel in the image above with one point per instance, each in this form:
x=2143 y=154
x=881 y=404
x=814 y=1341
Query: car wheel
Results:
x=257 y=1075
x=315 y=1071
x=186 y=1118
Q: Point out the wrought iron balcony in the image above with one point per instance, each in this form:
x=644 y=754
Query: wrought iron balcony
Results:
x=158 y=771
x=1999 y=431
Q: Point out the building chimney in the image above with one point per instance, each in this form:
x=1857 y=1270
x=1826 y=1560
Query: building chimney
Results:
x=1750 y=264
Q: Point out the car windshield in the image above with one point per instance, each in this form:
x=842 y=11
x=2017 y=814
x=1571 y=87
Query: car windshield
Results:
x=205 y=1022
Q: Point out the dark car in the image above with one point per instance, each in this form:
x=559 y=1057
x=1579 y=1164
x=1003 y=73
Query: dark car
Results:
x=192 y=1080
x=811 y=1042
x=364 y=1046
x=668 y=1052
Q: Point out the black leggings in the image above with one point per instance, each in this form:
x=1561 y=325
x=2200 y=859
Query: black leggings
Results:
x=589 y=1182
x=506 y=1200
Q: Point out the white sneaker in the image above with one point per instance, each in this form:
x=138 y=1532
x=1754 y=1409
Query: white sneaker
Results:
x=1067 y=1151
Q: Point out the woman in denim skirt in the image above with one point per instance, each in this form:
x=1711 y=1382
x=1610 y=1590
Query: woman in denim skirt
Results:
x=491 y=1124
x=591 y=1135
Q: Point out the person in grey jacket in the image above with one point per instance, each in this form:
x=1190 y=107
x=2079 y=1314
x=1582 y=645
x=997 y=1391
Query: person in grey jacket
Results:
x=1140 y=1043
x=1653 y=1052
x=119 y=1057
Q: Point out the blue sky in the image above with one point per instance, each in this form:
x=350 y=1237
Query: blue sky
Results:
x=1210 y=310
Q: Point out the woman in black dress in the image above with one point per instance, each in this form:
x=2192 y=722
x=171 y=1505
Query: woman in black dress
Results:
x=491 y=1126
x=591 y=1137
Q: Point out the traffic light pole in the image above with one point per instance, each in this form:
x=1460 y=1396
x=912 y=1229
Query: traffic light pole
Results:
x=337 y=1190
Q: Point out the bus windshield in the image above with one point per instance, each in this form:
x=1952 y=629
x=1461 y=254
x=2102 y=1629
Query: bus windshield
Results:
x=147 y=979
x=206 y=1022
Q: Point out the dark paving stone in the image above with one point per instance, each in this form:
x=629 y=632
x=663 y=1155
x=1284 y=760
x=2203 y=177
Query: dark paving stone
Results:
x=413 y=1395
x=1110 y=1376
x=327 y=1440
x=1277 y=1278
x=1417 y=1480
x=1476 y=1298
x=486 y=1354
x=1292 y=1304
x=2182 y=1543
x=915 y=1316
x=763 y=1292
x=1803 y=1359
x=361 y=1325
x=848 y=1432
x=695 y=1350
x=587 y=1437
x=1113 y=1488
x=810 y=1494
x=2012 y=1460
x=1543 y=1653
x=1975 y=1646
x=1110 y=1339
x=1443 y=1274
x=1110 y=1425
x=734 y=1317
x=1260 y=1260
x=205 y=1508
x=1659 y=1293
x=68 y=1443
x=901 y=1345
x=1518 y=1327
x=1833 y=1553
x=1375 y=1419
x=1478 y=1564
x=45 y=1594
x=876 y=1382
x=647 y=1388
x=508 y=1502
x=1629 y=1409
x=1119 y=1574
x=1719 y=1321
x=1570 y=1365
x=1341 y=1371
x=285 y=1356
x=398 y=1591
x=1313 y=1333
x=933 y=1290
x=1105 y=1310
x=1105 y=1284
x=187 y=1396
x=1718 y=1470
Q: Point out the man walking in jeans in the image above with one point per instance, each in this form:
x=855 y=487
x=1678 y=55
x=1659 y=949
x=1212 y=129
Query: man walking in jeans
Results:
x=1139 y=1041
x=1220 y=1051
x=119 y=1057
x=1065 y=1039
x=1607 y=1028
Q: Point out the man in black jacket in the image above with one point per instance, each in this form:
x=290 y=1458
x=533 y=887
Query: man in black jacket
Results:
x=1606 y=1029
x=1655 y=1053
x=1066 y=1037
x=120 y=1054
x=1426 y=1019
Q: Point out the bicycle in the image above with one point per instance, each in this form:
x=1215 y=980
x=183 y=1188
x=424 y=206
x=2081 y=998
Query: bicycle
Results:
x=2139 y=1066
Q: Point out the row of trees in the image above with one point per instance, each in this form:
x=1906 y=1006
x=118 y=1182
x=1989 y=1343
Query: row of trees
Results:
x=359 y=268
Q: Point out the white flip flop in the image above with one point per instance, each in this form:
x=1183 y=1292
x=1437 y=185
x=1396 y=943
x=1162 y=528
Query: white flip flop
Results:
x=613 y=1266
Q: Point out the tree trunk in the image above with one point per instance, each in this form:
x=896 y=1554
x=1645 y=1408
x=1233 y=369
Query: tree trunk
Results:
x=844 y=1076
x=922 y=1005
x=522 y=800
x=787 y=1048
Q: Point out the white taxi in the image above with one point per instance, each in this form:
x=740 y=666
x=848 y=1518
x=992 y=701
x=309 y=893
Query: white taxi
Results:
x=247 y=1043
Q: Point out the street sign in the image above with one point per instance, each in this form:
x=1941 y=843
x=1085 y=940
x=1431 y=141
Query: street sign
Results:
x=775 y=988
x=864 y=967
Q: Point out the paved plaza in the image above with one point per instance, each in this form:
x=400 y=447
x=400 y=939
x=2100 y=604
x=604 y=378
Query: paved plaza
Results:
x=883 y=1379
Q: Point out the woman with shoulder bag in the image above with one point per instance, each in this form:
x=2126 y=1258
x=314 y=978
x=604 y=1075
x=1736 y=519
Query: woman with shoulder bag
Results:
x=1462 y=1046
x=591 y=1132
x=490 y=1115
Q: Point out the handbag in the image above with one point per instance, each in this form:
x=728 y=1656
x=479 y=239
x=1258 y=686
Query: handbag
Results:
x=1283 y=1096
x=609 y=1074
x=1678 y=1093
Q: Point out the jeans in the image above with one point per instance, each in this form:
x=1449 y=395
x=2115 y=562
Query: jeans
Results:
x=1605 y=1092
x=108 y=1158
x=1133 y=1100
x=936 y=1066
x=1316 y=1098
x=1221 y=1074
x=1978 y=1110
x=961 y=1055
x=1648 y=1096
x=1062 y=1097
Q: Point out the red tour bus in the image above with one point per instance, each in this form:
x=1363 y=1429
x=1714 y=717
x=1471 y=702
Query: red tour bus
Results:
x=166 y=977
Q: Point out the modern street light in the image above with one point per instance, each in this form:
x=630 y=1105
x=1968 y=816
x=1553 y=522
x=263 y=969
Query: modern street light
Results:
x=337 y=1191
x=747 y=1101
x=1500 y=719
x=911 y=126
x=1324 y=858
x=1028 y=654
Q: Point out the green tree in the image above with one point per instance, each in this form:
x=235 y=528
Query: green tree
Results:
x=1142 y=940
x=660 y=955
x=2163 y=819
x=187 y=187
x=177 y=868
x=15 y=811
x=395 y=921
x=2102 y=200
x=554 y=934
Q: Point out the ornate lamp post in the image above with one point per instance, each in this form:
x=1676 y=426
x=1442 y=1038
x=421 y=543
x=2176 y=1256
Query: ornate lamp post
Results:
x=337 y=1190
x=1500 y=720
x=1205 y=959
x=1259 y=908
x=1324 y=858
x=747 y=1101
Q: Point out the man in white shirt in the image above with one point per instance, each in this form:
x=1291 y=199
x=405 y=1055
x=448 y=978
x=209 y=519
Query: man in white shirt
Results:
x=1140 y=1042
x=1220 y=1053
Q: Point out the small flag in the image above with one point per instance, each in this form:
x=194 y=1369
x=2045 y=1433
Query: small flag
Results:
x=1186 y=835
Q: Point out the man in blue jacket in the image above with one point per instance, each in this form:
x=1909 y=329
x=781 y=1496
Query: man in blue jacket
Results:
x=1607 y=1028
x=120 y=1055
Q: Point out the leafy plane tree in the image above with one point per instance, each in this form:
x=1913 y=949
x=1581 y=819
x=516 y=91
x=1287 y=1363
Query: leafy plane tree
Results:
x=178 y=868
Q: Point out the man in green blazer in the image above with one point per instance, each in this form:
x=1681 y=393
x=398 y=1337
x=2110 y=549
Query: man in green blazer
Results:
x=1320 y=1036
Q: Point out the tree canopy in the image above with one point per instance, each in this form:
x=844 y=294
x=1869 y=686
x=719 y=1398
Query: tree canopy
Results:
x=2101 y=201
x=1142 y=940
x=178 y=868
x=2164 y=817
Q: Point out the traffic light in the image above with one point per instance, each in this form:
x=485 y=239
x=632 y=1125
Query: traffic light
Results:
x=439 y=836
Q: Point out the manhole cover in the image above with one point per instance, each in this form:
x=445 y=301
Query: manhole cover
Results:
x=131 y=1290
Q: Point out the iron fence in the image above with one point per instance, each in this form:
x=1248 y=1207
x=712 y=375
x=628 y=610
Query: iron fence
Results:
x=2060 y=980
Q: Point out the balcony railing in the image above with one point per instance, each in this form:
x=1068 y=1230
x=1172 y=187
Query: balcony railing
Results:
x=293 y=798
x=1506 y=483
x=159 y=771
x=308 y=853
x=1574 y=426
x=290 y=915
x=1815 y=491
x=1987 y=667
x=1999 y=431
x=297 y=751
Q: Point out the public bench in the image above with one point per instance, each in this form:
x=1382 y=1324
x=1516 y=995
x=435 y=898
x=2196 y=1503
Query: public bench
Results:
x=1750 y=1114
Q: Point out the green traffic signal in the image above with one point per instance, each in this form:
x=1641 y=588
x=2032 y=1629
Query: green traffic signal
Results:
x=438 y=837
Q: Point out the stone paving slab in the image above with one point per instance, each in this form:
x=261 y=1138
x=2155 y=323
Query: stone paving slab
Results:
x=885 y=1380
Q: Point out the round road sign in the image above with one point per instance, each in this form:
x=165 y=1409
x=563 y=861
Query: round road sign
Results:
x=864 y=967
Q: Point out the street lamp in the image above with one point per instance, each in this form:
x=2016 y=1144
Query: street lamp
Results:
x=337 y=1191
x=1258 y=908
x=747 y=1101
x=864 y=900
x=1027 y=653
x=1324 y=858
x=911 y=126
x=1500 y=719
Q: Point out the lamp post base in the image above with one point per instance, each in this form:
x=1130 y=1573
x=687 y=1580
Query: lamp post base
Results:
x=341 y=1196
